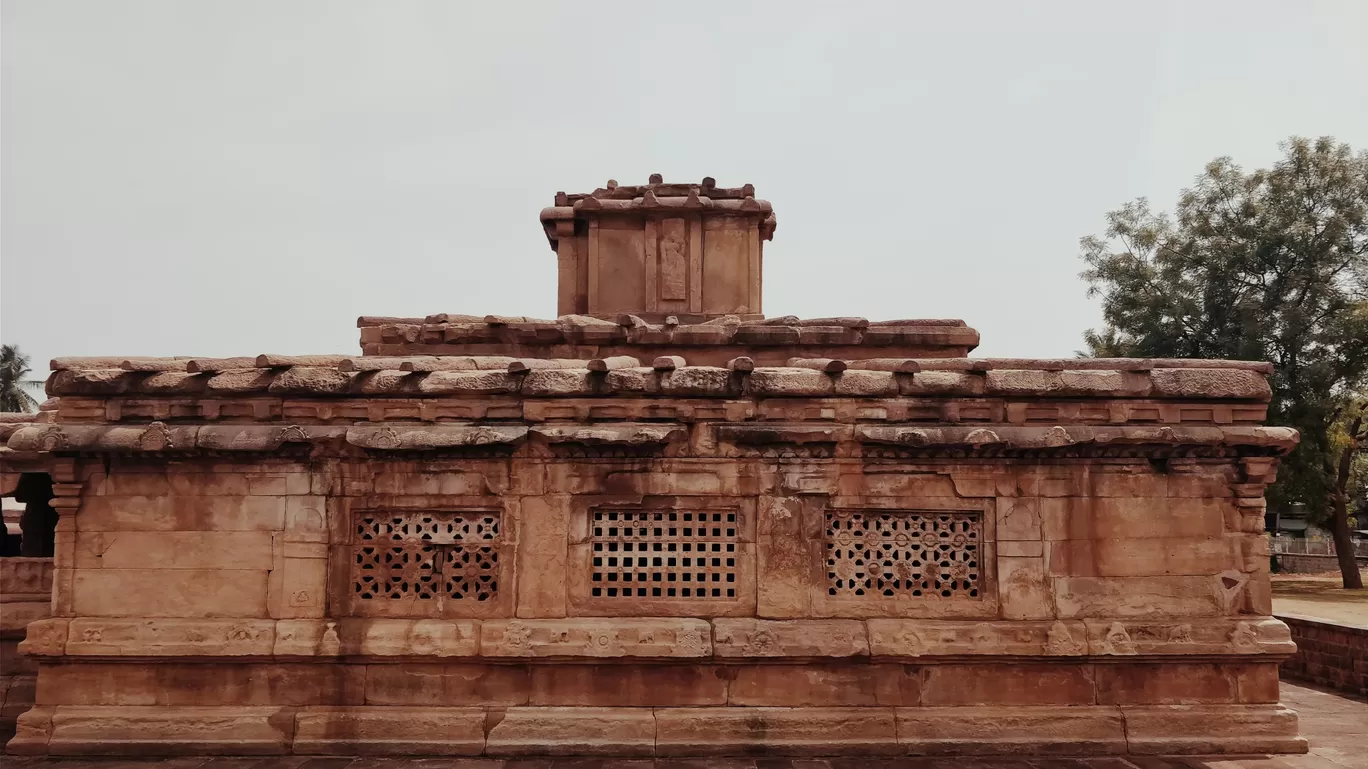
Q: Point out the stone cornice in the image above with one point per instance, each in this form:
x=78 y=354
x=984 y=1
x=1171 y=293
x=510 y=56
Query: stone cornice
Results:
x=878 y=441
x=668 y=376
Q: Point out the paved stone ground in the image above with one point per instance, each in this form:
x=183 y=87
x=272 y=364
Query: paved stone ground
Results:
x=1319 y=596
x=1336 y=726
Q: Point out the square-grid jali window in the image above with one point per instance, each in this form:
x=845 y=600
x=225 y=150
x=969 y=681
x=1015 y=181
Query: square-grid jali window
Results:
x=663 y=554
x=426 y=556
x=895 y=553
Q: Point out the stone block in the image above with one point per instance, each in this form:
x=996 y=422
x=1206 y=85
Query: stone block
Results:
x=1127 y=485
x=1131 y=518
x=897 y=485
x=440 y=483
x=379 y=638
x=922 y=638
x=814 y=685
x=1024 y=589
x=1024 y=684
x=1258 y=684
x=1170 y=683
x=170 y=593
x=571 y=731
x=19 y=615
x=284 y=684
x=1196 y=637
x=1202 y=383
x=45 y=638
x=1202 y=482
x=1143 y=557
x=390 y=731
x=1018 y=518
x=174 y=550
x=17 y=695
x=1135 y=597
x=775 y=731
x=629 y=685
x=171 y=683
x=446 y=685
x=542 y=556
x=1089 y=730
x=1021 y=549
x=145 y=731
x=788 y=564
x=278 y=485
x=1207 y=729
x=182 y=513
x=32 y=730
x=98 y=684
x=798 y=638
x=170 y=637
x=592 y=637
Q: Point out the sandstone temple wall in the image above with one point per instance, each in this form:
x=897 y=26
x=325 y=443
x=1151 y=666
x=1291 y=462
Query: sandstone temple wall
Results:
x=660 y=524
x=1121 y=590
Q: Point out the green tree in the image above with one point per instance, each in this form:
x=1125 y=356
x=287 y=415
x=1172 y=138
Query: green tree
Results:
x=13 y=366
x=1270 y=264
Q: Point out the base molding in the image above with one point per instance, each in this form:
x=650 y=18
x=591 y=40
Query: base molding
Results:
x=76 y=730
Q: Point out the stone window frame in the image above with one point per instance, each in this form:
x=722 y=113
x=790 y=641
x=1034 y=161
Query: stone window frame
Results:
x=985 y=606
x=579 y=565
x=501 y=604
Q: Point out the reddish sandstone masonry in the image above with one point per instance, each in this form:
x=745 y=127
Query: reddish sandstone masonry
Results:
x=660 y=524
x=1328 y=654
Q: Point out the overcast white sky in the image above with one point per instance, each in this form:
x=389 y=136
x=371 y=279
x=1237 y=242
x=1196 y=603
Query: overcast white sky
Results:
x=226 y=178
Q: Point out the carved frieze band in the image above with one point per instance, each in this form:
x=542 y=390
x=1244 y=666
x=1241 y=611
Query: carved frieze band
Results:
x=654 y=637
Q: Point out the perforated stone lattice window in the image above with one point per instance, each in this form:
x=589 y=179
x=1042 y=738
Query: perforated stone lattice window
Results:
x=407 y=555
x=903 y=553
x=663 y=554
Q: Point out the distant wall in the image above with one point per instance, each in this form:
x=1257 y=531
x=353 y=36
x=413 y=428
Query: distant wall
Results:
x=25 y=595
x=1329 y=654
x=1296 y=563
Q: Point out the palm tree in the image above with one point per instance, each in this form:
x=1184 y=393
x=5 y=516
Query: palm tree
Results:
x=13 y=367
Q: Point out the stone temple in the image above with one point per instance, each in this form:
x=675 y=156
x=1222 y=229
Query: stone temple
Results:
x=661 y=524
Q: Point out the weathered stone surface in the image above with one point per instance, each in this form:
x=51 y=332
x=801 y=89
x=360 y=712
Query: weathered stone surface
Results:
x=1033 y=684
x=810 y=638
x=572 y=731
x=825 y=685
x=378 y=638
x=446 y=685
x=630 y=685
x=77 y=731
x=170 y=592
x=504 y=535
x=923 y=638
x=1012 y=731
x=1210 y=383
x=781 y=731
x=170 y=637
x=390 y=731
x=1212 y=729
x=591 y=637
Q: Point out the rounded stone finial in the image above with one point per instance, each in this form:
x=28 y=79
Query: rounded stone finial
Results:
x=657 y=179
x=612 y=184
x=709 y=183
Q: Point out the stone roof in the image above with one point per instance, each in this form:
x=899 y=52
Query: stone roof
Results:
x=475 y=376
x=581 y=335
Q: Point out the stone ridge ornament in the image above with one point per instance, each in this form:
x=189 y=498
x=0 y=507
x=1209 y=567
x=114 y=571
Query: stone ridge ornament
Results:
x=658 y=524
